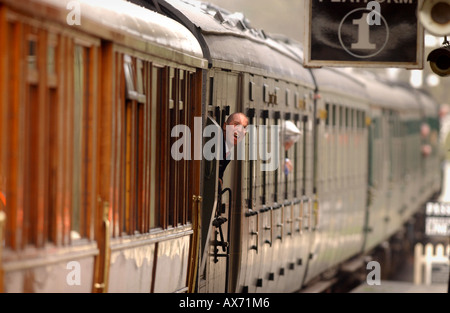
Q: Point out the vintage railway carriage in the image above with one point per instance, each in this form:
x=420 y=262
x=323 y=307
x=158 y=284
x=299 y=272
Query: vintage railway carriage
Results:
x=400 y=173
x=403 y=173
x=92 y=198
x=341 y=178
x=387 y=163
x=261 y=77
x=105 y=108
x=411 y=118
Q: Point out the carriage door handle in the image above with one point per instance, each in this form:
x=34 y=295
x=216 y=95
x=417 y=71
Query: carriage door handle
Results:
x=104 y=285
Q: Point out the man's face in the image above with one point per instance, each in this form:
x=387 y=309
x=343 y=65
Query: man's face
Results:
x=236 y=129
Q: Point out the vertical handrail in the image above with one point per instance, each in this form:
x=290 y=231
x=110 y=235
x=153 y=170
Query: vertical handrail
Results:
x=196 y=222
x=316 y=212
x=2 y=239
x=104 y=284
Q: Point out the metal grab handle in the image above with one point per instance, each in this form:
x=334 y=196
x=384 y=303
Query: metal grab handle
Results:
x=271 y=228
x=290 y=220
x=256 y=233
x=316 y=213
x=300 y=218
x=310 y=215
x=280 y=225
x=104 y=285
x=2 y=237
x=196 y=221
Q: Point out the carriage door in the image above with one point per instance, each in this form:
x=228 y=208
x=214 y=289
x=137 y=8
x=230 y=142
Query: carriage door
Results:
x=218 y=201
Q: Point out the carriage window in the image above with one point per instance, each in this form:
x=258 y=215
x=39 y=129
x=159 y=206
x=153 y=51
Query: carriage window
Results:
x=54 y=138
x=80 y=143
x=251 y=88
x=52 y=43
x=77 y=229
x=334 y=115
x=296 y=156
x=134 y=217
x=31 y=189
x=352 y=118
x=275 y=95
x=183 y=165
x=172 y=166
x=50 y=221
x=276 y=121
x=359 y=121
x=363 y=119
x=133 y=79
x=129 y=79
x=171 y=101
x=156 y=183
x=304 y=129
x=51 y=68
x=347 y=117
x=32 y=53
x=290 y=139
x=376 y=128
x=173 y=173
x=264 y=121
x=33 y=211
x=177 y=178
x=266 y=93
x=288 y=97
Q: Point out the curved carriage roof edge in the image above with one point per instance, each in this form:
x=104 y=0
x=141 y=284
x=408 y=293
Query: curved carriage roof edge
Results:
x=407 y=96
x=168 y=10
x=125 y=23
x=293 y=46
x=379 y=92
x=428 y=102
x=232 y=40
x=388 y=94
x=339 y=81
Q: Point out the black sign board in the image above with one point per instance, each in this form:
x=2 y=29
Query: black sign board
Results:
x=383 y=33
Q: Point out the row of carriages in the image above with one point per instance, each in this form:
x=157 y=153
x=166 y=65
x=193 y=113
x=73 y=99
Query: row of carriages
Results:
x=102 y=99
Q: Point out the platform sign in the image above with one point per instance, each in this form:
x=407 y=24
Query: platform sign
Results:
x=364 y=33
x=437 y=221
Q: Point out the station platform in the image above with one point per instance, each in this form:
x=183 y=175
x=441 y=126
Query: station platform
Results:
x=390 y=286
x=403 y=282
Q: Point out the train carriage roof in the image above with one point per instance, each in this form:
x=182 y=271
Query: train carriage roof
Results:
x=388 y=94
x=125 y=23
x=429 y=105
x=230 y=39
x=406 y=98
x=339 y=81
x=383 y=94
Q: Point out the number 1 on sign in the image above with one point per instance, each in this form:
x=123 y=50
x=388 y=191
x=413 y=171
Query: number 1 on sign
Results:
x=363 y=34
